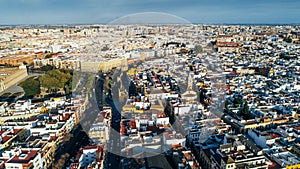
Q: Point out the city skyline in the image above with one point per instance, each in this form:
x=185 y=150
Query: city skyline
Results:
x=104 y=11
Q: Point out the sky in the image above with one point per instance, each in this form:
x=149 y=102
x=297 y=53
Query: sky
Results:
x=105 y=11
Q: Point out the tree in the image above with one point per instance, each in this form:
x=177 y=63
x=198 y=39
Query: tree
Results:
x=47 y=68
x=227 y=103
x=49 y=82
x=61 y=162
x=49 y=55
x=238 y=101
x=55 y=79
x=288 y=40
x=31 y=87
x=67 y=89
x=245 y=111
x=67 y=137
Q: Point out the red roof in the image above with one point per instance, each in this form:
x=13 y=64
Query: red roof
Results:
x=101 y=117
x=2 y=163
x=38 y=52
x=2 y=131
x=5 y=139
x=152 y=128
x=161 y=115
x=28 y=156
x=274 y=165
x=65 y=117
x=132 y=124
x=123 y=129
x=74 y=166
x=176 y=146
x=90 y=147
x=227 y=44
x=16 y=131
x=99 y=150
x=52 y=138
x=274 y=135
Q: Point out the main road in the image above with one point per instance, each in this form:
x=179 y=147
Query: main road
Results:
x=113 y=150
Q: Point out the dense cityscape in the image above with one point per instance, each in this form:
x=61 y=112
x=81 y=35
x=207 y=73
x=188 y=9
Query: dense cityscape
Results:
x=185 y=96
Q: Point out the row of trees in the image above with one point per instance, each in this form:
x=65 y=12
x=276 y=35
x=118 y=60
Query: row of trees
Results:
x=61 y=162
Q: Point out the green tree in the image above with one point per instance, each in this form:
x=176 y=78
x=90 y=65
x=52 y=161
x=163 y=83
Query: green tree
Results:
x=49 y=55
x=288 y=40
x=49 y=82
x=90 y=80
x=75 y=79
x=60 y=76
x=55 y=79
x=238 y=101
x=46 y=68
x=227 y=103
x=245 y=111
x=31 y=87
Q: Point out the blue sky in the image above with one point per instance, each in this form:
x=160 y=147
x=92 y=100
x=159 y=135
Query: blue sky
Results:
x=104 y=11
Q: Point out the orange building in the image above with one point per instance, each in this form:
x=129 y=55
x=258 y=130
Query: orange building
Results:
x=17 y=60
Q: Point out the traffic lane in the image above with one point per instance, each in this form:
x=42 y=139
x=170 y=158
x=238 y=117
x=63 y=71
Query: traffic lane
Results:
x=114 y=158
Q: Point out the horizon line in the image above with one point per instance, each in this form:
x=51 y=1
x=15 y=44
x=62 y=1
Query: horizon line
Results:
x=87 y=24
